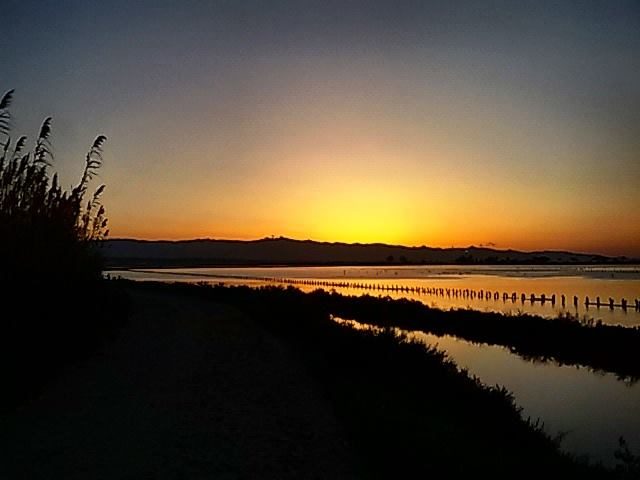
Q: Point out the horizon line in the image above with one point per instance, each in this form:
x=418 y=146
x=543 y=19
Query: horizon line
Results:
x=414 y=247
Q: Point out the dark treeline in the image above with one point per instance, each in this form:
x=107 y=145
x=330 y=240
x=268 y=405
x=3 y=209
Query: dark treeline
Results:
x=56 y=305
x=408 y=411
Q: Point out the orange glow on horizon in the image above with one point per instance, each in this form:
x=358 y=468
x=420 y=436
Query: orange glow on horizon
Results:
x=334 y=201
x=319 y=162
x=360 y=232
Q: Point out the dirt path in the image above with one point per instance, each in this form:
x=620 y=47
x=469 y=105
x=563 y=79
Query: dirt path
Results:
x=189 y=390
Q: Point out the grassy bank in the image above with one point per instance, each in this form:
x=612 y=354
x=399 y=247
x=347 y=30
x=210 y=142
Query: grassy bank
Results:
x=407 y=409
x=564 y=340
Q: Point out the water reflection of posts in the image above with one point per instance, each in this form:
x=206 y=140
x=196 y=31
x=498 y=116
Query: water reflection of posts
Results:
x=482 y=294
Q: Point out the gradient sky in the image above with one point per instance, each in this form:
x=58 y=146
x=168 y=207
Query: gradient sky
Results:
x=436 y=123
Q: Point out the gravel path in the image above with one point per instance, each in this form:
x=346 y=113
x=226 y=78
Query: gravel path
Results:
x=189 y=390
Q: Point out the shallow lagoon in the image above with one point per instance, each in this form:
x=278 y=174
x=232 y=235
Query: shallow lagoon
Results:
x=606 y=281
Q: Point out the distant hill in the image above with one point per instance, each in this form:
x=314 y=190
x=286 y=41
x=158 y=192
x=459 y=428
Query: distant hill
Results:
x=128 y=253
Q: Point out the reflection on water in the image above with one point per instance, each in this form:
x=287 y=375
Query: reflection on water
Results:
x=424 y=283
x=593 y=409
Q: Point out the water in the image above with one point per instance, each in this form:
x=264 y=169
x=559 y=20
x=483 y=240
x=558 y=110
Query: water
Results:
x=593 y=409
x=591 y=281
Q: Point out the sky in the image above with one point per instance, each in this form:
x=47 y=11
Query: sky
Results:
x=515 y=124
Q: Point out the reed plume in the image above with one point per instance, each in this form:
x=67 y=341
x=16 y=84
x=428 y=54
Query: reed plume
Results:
x=44 y=228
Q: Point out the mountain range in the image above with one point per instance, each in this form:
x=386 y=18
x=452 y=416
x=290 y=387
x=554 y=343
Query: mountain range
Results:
x=130 y=253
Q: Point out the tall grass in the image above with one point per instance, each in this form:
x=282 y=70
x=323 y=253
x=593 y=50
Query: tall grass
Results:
x=56 y=306
x=46 y=231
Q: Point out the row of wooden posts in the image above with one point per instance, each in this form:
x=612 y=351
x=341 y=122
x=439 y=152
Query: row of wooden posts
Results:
x=456 y=292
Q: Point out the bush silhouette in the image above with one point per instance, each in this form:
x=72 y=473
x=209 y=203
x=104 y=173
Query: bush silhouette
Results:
x=46 y=232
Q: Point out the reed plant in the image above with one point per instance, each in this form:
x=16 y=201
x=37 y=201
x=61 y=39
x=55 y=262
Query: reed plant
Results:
x=56 y=305
x=46 y=231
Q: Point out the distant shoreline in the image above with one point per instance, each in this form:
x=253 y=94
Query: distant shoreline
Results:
x=496 y=269
x=130 y=264
x=279 y=252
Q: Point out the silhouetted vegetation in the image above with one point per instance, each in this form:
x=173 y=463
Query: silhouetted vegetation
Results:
x=409 y=412
x=564 y=340
x=46 y=232
x=628 y=463
x=56 y=304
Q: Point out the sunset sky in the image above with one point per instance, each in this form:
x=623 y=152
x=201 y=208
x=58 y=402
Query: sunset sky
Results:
x=420 y=123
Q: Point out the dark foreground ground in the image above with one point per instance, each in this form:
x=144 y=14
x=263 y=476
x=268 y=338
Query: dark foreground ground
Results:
x=239 y=383
x=190 y=389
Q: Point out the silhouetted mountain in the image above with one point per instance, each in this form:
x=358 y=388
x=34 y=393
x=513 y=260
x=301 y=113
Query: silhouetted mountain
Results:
x=285 y=251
